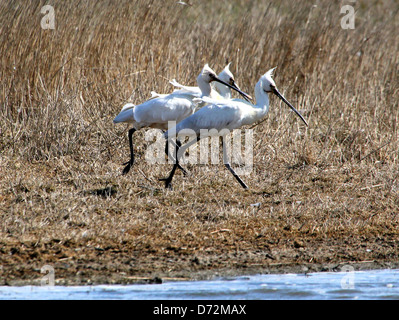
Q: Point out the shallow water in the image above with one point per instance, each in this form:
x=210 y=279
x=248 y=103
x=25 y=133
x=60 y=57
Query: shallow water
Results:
x=374 y=284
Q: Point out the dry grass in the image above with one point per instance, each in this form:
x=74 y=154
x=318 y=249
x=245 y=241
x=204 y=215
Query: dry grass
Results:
x=332 y=185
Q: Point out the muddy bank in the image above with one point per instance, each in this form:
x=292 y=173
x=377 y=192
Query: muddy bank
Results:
x=86 y=265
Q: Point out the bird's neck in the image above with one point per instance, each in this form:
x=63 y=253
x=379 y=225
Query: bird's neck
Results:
x=204 y=86
x=223 y=90
x=262 y=101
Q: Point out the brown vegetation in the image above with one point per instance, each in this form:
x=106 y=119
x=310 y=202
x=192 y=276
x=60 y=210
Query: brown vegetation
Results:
x=324 y=195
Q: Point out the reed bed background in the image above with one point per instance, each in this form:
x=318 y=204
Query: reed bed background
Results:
x=326 y=193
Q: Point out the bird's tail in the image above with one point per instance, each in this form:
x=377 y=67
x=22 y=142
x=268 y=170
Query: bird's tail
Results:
x=126 y=114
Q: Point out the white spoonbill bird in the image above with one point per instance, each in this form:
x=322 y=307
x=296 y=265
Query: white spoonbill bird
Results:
x=225 y=114
x=157 y=112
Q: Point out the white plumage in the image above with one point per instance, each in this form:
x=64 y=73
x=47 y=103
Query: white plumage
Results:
x=156 y=113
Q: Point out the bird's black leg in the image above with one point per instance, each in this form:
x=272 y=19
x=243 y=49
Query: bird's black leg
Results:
x=228 y=166
x=130 y=163
x=178 y=143
x=168 y=180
